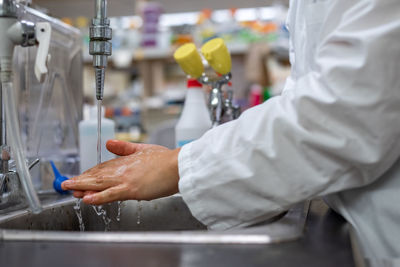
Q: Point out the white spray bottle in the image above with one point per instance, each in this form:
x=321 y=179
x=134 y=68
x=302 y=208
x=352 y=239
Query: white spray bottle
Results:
x=195 y=119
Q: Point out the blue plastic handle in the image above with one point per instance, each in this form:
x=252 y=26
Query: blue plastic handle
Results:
x=58 y=179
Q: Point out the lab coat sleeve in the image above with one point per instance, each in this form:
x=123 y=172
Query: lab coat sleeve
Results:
x=336 y=128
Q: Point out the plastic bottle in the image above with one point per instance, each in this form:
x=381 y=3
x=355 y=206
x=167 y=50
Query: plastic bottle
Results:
x=88 y=140
x=195 y=119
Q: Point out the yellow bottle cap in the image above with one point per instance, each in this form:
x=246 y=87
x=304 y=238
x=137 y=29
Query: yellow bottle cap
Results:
x=217 y=55
x=189 y=60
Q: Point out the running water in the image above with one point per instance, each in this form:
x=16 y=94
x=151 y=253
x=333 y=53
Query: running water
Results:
x=99 y=209
x=119 y=211
x=103 y=213
x=139 y=210
x=78 y=213
x=99 y=103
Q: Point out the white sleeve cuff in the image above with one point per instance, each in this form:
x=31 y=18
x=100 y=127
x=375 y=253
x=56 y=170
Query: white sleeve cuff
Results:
x=186 y=185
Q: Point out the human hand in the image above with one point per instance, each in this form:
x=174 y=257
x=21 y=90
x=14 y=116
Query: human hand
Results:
x=143 y=172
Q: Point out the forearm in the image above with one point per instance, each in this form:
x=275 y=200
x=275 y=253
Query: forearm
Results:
x=162 y=180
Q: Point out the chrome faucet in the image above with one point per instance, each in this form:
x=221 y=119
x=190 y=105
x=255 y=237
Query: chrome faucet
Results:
x=100 y=46
x=9 y=182
x=10 y=185
x=221 y=108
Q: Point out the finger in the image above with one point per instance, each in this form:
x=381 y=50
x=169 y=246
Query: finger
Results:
x=107 y=196
x=88 y=193
x=63 y=186
x=88 y=184
x=78 y=194
x=122 y=148
x=81 y=194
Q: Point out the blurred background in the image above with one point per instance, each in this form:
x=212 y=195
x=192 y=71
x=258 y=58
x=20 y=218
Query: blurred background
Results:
x=144 y=86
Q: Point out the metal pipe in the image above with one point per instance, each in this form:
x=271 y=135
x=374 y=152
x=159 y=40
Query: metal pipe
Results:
x=1 y=115
x=101 y=9
x=4 y=150
x=3 y=157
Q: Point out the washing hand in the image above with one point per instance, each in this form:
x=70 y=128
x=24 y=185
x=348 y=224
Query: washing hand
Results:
x=143 y=172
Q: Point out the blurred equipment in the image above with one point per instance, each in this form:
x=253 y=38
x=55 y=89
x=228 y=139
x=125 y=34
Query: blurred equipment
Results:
x=13 y=33
x=256 y=65
x=42 y=111
x=151 y=12
x=217 y=55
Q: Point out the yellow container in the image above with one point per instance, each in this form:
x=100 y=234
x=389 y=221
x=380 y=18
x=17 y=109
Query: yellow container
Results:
x=217 y=55
x=189 y=60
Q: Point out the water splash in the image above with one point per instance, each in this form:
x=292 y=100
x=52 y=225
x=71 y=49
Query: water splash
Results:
x=99 y=209
x=78 y=212
x=119 y=211
x=139 y=210
x=103 y=213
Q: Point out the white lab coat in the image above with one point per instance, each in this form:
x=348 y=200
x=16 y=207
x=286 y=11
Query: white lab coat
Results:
x=334 y=131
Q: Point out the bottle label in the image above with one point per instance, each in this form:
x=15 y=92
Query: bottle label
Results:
x=184 y=142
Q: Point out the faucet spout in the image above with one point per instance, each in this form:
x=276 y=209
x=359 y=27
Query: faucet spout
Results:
x=100 y=46
x=101 y=9
x=218 y=105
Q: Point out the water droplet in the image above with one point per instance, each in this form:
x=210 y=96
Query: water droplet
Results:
x=139 y=210
x=119 y=211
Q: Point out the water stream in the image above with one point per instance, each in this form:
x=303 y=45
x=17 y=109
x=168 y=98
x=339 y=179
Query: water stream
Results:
x=99 y=104
x=118 y=218
x=100 y=211
x=78 y=212
x=139 y=211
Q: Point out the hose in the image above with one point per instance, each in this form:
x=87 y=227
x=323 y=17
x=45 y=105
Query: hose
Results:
x=17 y=148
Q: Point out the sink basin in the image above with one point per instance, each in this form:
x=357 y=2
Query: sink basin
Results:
x=166 y=220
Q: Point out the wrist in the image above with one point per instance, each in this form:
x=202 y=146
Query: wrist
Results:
x=170 y=173
x=174 y=162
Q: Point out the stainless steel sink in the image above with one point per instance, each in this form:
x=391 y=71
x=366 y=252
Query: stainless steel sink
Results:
x=166 y=220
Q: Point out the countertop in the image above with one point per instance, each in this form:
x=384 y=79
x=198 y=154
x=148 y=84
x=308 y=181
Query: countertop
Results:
x=326 y=242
